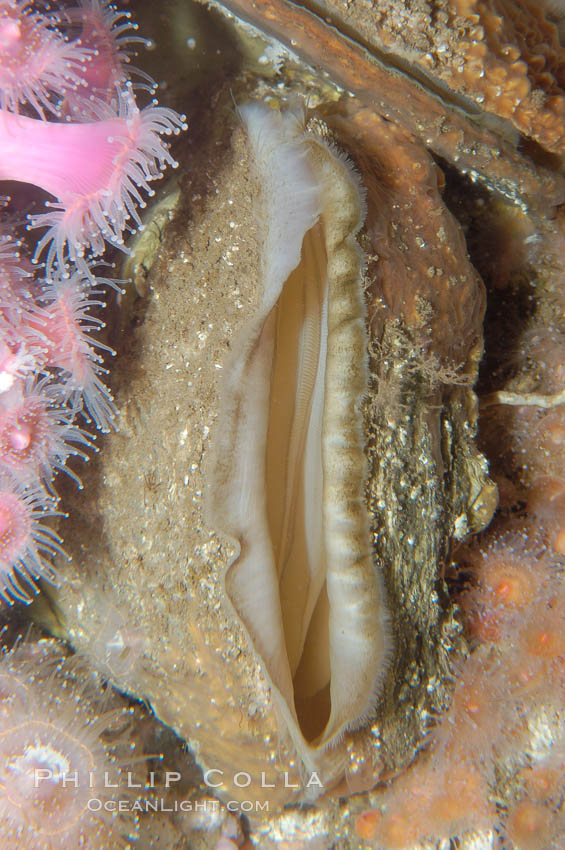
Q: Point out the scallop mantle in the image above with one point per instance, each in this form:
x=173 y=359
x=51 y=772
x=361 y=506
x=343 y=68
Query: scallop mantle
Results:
x=289 y=467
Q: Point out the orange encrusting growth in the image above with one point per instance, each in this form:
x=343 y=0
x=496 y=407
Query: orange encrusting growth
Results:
x=530 y=825
x=515 y=610
x=440 y=796
x=510 y=572
x=516 y=613
x=504 y=56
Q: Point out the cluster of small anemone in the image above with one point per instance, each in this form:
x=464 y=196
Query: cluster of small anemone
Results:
x=70 y=125
x=66 y=755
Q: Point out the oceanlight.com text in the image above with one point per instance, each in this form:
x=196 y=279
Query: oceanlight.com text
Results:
x=95 y=804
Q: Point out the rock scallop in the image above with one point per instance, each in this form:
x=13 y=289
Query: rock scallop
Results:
x=227 y=556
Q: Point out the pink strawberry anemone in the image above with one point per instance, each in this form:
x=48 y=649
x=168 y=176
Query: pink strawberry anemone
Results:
x=124 y=154
x=106 y=32
x=25 y=543
x=36 y=60
x=69 y=125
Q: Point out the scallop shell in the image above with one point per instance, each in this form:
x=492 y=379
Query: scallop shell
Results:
x=150 y=542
